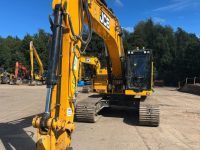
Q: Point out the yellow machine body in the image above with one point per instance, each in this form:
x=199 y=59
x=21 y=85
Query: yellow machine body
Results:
x=60 y=123
x=100 y=80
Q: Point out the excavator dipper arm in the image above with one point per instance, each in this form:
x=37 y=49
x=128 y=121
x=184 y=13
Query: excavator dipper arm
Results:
x=55 y=126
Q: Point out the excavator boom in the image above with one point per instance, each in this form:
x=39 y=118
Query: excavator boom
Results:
x=22 y=67
x=56 y=123
x=34 y=53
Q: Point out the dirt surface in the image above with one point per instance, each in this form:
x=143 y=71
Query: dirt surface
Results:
x=179 y=128
x=191 y=88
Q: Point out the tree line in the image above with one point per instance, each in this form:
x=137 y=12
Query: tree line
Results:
x=176 y=54
x=14 y=49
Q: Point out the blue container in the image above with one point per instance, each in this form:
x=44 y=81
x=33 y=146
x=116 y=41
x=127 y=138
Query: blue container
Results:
x=81 y=83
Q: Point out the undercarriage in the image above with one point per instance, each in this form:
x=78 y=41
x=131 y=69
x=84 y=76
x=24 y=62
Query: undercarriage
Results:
x=88 y=109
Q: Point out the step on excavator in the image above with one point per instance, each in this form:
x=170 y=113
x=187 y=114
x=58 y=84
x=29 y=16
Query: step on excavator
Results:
x=128 y=81
x=36 y=78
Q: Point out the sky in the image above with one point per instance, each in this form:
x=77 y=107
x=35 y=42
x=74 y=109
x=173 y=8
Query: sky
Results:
x=19 y=17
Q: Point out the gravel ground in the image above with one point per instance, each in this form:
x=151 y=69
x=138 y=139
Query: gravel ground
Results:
x=117 y=129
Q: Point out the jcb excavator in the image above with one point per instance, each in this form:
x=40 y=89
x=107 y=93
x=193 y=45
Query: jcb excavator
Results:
x=93 y=61
x=128 y=81
x=96 y=74
x=36 y=78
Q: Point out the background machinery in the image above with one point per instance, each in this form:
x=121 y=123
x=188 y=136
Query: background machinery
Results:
x=1 y=74
x=5 y=77
x=23 y=77
x=128 y=81
x=95 y=73
x=36 y=78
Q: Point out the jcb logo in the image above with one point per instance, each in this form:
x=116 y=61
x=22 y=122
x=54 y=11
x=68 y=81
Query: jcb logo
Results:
x=105 y=20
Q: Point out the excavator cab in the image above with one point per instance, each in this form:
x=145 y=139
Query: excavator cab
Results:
x=139 y=70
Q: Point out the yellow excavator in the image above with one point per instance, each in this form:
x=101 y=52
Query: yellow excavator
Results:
x=93 y=61
x=36 y=78
x=128 y=81
x=96 y=74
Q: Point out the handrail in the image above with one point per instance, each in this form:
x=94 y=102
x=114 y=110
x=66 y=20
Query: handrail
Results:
x=194 y=81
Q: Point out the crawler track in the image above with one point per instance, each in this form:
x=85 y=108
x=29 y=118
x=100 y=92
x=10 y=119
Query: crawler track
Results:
x=87 y=110
x=85 y=113
x=149 y=113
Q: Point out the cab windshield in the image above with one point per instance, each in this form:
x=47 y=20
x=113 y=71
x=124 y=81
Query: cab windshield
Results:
x=138 y=71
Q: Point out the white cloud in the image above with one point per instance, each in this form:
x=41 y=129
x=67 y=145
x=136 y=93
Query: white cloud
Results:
x=177 y=5
x=119 y=3
x=159 y=20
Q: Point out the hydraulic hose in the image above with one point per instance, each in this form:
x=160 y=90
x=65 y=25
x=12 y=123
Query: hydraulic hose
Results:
x=84 y=7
